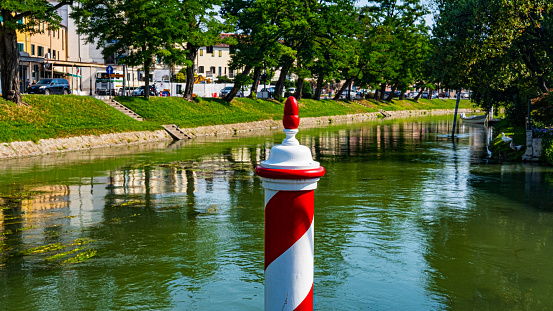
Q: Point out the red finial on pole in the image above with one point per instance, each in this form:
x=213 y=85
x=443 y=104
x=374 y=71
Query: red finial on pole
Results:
x=291 y=119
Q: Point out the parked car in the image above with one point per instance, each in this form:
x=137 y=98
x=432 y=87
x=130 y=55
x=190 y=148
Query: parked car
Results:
x=225 y=91
x=139 y=91
x=443 y=95
x=50 y=86
x=346 y=92
x=424 y=95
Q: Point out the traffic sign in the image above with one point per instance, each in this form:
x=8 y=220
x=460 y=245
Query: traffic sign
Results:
x=109 y=70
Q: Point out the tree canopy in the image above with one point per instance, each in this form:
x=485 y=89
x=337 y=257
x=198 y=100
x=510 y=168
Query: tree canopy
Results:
x=501 y=50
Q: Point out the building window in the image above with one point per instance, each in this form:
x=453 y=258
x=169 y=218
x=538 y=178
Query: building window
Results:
x=41 y=51
x=54 y=54
x=209 y=49
x=220 y=71
x=201 y=69
x=20 y=47
x=63 y=40
x=32 y=49
x=225 y=71
x=220 y=53
x=212 y=70
x=201 y=52
x=49 y=53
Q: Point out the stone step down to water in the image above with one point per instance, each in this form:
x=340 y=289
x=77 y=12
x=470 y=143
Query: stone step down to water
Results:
x=123 y=109
x=176 y=132
x=384 y=113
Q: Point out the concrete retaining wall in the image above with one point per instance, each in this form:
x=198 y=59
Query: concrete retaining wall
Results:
x=58 y=145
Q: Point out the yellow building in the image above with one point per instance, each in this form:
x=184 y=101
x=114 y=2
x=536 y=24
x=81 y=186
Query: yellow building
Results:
x=50 y=44
x=38 y=51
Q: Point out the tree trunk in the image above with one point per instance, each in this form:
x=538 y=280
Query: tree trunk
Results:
x=190 y=79
x=256 y=77
x=419 y=94
x=402 y=95
x=382 y=91
x=230 y=96
x=391 y=95
x=288 y=62
x=9 y=64
x=147 y=64
x=299 y=88
x=318 y=89
x=343 y=88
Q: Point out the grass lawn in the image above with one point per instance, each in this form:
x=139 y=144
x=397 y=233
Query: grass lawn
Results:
x=62 y=116
x=71 y=115
x=211 y=111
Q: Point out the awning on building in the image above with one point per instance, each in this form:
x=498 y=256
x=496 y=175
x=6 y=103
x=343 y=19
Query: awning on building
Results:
x=24 y=57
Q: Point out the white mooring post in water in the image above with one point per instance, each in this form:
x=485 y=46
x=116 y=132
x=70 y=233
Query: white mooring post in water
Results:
x=289 y=177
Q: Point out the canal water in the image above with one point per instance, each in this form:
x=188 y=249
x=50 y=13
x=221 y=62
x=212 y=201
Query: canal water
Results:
x=405 y=219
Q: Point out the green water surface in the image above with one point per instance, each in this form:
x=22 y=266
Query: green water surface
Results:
x=405 y=219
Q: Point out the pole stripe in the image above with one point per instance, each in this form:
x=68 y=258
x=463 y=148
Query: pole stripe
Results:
x=289 y=279
x=289 y=250
x=307 y=303
x=288 y=216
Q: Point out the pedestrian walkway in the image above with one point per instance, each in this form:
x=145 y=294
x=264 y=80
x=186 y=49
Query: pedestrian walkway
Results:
x=123 y=109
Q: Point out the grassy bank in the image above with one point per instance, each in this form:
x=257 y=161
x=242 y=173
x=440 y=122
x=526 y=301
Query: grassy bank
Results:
x=64 y=116
x=211 y=111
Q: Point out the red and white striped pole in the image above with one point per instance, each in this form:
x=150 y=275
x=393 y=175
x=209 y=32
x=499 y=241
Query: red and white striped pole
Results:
x=289 y=177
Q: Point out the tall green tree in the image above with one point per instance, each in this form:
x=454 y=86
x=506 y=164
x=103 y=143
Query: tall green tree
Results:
x=395 y=43
x=136 y=31
x=256 y=43
x=199 y=25
x=501 y=50
x=23 y=16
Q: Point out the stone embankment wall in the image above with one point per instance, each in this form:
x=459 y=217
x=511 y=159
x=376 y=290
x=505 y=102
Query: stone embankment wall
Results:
x=58 y=145
x=315 y=121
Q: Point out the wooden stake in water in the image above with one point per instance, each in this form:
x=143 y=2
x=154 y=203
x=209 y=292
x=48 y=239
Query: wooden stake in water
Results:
x=455 y=117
